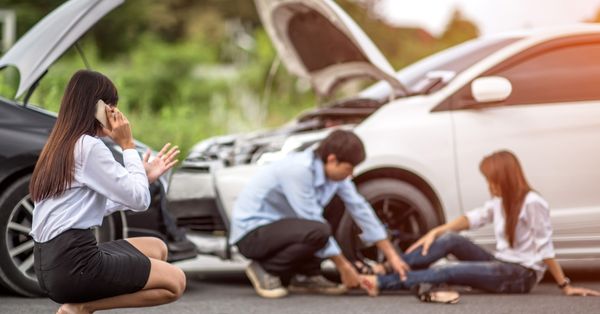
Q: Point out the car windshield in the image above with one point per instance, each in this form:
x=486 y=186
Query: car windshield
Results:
x=443 y=65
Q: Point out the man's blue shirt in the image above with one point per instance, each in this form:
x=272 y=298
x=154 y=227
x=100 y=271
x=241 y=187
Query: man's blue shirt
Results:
x=296 y=187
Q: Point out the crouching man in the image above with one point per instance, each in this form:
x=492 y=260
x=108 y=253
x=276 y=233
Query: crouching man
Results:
x=278 y=220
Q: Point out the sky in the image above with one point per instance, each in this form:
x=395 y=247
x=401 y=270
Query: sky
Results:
x=491 y=16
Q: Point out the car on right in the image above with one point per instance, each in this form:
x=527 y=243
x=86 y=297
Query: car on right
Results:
x=427 y=126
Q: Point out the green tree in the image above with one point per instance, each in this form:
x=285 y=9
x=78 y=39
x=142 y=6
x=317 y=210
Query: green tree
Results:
x=404 y=45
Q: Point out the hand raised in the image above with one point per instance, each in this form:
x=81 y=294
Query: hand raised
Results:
x=164 y=160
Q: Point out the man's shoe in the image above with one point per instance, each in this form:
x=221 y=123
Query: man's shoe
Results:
x=315 y=284
x=265 y=284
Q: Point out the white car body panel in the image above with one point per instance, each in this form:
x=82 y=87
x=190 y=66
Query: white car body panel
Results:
x=398 y=142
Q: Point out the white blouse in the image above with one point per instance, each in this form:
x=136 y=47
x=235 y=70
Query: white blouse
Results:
x=100 y=187
x=533 y=233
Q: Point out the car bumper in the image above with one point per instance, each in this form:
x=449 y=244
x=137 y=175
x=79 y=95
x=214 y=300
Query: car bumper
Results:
x=192 y=200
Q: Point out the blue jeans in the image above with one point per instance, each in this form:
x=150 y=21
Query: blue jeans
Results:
x=477 y=268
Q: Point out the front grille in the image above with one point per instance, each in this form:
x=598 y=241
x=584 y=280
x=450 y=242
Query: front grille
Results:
x=208 y=223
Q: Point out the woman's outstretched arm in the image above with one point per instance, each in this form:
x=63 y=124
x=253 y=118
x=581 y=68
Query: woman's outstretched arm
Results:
x=458 y=224
x=559 y=276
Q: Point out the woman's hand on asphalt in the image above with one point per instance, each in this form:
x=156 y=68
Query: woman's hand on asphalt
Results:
x=164 y=160
x=120 y=130
x=570 y=290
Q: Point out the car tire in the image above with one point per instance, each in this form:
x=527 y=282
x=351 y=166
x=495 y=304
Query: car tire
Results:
x=16 y=245
x=404 y=210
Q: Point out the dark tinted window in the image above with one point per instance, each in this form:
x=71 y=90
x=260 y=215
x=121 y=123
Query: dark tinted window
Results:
x=560 y=74
x=563 y=70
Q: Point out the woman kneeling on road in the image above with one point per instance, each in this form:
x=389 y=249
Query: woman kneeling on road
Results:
x=521 y=219
x=76 y=182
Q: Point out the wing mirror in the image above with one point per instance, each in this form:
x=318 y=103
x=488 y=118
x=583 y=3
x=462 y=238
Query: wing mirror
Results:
x=491 y=89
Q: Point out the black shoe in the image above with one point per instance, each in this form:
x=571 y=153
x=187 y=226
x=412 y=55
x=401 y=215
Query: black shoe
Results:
x=181 y=250
x=184 y=245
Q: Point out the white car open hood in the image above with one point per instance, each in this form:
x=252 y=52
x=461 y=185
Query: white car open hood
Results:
x=35 y=51
x=317 y=40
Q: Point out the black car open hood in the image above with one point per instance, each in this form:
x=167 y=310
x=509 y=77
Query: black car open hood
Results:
x=39 y=48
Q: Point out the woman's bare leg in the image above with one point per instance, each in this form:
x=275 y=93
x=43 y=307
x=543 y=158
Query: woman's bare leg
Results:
x=150 y=246
x=166 y=284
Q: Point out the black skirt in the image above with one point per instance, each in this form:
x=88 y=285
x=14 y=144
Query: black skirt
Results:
x=74 y=268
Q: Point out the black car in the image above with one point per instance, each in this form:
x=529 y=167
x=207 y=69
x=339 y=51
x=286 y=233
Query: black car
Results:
x=24 y=129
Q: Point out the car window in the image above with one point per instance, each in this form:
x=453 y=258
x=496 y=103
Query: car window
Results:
x=455 y=59
x=564 y=70
x=563 y=74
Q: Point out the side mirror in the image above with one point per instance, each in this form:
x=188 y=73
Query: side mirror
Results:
x=491 y=89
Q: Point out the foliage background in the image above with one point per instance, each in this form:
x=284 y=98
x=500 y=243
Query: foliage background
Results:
x=190 y=69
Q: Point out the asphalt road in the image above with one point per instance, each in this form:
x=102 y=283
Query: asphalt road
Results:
x=217 y=287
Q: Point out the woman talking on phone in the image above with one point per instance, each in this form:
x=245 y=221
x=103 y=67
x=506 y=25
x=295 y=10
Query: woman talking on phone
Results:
x=76 y=182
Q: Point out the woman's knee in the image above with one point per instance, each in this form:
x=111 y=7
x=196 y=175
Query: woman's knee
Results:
x=151 y=247
x=180 y=282
x=177 y=284
x=168 y=278
x=158 y=249
x=163 y=250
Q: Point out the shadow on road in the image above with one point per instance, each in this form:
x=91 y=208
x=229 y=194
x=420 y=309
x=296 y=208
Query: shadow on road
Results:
x=225 y=277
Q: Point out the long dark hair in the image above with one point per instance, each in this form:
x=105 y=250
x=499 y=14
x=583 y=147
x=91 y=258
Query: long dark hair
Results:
x=503 y=169
x=54 y=170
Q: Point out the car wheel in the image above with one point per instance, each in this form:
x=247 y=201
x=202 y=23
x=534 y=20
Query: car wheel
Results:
x=405 y=211
x=16 y=245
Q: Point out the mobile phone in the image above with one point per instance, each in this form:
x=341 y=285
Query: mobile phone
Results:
x=101 y=114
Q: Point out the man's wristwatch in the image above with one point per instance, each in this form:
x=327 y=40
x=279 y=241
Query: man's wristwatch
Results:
x=565 y=283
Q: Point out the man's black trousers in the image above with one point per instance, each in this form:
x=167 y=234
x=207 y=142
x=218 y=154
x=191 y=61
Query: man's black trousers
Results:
x=287 y=247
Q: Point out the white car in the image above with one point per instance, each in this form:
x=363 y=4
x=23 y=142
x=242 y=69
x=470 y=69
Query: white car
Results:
x=536 y=93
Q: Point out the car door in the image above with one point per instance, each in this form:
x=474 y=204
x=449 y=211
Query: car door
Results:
x=551 y=121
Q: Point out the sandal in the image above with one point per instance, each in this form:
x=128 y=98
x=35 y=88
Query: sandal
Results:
x=430 y=294
x=383 y=268
x=363 y=268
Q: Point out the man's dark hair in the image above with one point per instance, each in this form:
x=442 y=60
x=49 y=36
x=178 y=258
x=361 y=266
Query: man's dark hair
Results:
x=345 y=145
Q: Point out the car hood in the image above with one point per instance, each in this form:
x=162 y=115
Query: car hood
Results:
x=35 y=51
x=317 y=40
